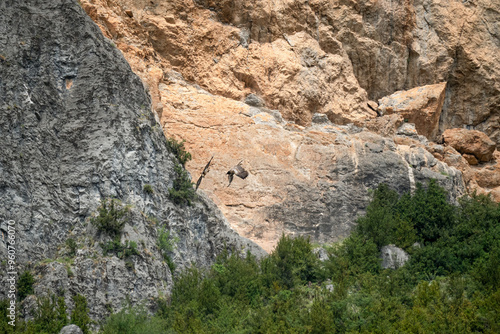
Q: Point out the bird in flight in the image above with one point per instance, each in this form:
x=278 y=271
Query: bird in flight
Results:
x=238 y=171
x=204 y=173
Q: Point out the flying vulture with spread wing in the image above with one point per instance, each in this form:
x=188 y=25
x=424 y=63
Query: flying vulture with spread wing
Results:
x=204 y=173
x=238 y=171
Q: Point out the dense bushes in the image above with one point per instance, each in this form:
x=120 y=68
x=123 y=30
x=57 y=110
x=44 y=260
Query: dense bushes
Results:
x=182 y=191
x=450 y=285
x=112 y=216
x=49 y=317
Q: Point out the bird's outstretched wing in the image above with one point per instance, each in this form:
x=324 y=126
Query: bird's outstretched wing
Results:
x=207 y=167
x=240 y=172
x=198 y=182
x=230 y=178
x=204 y=173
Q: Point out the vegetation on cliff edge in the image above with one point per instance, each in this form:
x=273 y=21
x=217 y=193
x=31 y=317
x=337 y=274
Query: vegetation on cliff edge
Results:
x=451 y=284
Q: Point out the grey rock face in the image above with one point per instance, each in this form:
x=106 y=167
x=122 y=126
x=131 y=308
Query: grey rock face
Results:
x=393 y=257
x=254 y=101
x=327 y=208
x=321 y=253
x=76 y=127
x=71 y=329
x=320 y=118
x=407 y=129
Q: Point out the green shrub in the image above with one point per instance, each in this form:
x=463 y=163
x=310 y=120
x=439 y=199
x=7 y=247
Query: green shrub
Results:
x=148 y=189
x=25 y=285
x=182 y=191
x=122 y=251
x=71 y=243
x=133 y=320
x=177 y=148
x=80 y=314
x=166 y=244
x=111 y=218
x=428 y=210
x=50 y=315
x=292 y=262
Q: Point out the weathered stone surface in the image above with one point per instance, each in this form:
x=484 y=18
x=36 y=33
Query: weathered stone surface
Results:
x=470 y=142
x=292 y=70
x=71 y=329
x=471 y=159
x=393 y=257
x=254 y=101
x=407 y=129
x=321 y=253
x=399 y=45
x=290 y=51
x=303 y=180
x=76 y=127
x=421 y=106
x=386 y=125
x=320 y=118
x=482 y=179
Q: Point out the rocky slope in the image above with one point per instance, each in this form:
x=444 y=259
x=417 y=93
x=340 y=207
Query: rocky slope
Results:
x=76 y=128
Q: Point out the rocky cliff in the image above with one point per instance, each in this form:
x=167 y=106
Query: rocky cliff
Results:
x=77 y=128
x=292 y=88
x=301 y=65
x=320 y=56
x=311 y=180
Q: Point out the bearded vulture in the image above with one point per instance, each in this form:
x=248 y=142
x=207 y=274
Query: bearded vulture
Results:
x=238 y=171
x=204 y=173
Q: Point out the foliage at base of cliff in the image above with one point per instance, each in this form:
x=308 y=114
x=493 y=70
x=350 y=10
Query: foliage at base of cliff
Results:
x=451 y=284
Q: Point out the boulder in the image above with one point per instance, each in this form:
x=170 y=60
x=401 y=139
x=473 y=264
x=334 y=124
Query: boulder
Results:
x=393 y=257
x=471 y=159
x=321 y=253
x=472 y=142
x=320 y=118
x=254 y=101
x=385 y=125
x=71 y=329
x=421 y=106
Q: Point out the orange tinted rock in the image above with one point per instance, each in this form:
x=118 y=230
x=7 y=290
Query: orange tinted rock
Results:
x=471 y=159
x=421 y=106
x=303 y=180
x=470 y=142
x=386 y=125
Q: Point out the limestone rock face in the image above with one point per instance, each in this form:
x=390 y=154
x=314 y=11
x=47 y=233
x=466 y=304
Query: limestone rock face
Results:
x=399 y=45
x=386 y=125
x=483 y=178
x=393 y=257
x=288 y=52
x=421 y=106
x=470 y=142
x=303 y=180
x=76 y=127
x=305 y=59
